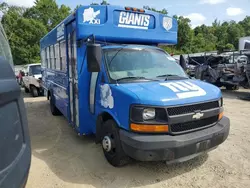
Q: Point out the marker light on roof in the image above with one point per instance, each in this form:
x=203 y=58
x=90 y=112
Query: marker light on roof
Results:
x=134 y=9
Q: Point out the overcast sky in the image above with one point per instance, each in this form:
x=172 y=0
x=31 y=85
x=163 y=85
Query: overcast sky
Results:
x=199 y=11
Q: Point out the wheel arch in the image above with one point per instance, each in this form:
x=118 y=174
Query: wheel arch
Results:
x=101 y=118
x=32 y=85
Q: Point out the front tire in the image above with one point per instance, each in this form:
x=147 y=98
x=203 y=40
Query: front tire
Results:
x=54 y=110
x=26 y=90
x=111 y=145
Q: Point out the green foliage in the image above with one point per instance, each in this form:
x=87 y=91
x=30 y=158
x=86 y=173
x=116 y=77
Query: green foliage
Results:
x=25 y=27
x=104 y=3
x=163 y=11
x=185 y=34
x=47 y=12
x=229 y=46
x=219 y=36
x=23 y=35
x=246 y=25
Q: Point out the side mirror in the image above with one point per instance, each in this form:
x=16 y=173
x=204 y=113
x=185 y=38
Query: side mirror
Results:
x=94 y=57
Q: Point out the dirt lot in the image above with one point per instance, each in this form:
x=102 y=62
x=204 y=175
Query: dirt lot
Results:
x=62 y=159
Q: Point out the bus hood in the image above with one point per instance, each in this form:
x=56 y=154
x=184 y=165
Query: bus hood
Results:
x=170 y=93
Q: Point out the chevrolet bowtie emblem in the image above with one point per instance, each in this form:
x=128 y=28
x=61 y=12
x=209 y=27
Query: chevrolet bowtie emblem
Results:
x=198 y=115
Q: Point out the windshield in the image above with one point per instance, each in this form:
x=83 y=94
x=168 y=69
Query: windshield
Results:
x=35 y=69
x=141 y=63
x=4 y=47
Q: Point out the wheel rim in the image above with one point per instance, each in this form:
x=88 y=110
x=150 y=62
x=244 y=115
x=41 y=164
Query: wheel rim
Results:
x=108 y=144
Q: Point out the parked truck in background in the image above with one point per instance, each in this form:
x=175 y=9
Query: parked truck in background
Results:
x=32 y=79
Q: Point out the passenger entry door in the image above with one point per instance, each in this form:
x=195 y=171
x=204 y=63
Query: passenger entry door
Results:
x=72 y=72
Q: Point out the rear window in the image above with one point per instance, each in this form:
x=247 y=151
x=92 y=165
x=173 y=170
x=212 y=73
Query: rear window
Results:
x=5 y=52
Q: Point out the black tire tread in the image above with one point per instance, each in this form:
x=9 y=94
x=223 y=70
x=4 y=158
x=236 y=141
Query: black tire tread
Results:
x=120 y=159
x=34 y=91
x=54 y=110
x=26 y=90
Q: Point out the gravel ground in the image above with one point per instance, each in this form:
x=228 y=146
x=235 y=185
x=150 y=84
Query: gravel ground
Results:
x=62 y=159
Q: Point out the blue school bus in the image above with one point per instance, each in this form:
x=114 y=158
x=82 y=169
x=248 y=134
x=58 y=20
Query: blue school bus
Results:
x=103 y=70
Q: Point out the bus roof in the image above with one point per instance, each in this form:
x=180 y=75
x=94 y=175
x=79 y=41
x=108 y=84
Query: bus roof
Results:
x=135 y=46
x=118 y=24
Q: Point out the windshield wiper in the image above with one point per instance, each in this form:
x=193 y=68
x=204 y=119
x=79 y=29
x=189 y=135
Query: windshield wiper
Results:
x=135 y=78
x=171 y=75
x=118 y=51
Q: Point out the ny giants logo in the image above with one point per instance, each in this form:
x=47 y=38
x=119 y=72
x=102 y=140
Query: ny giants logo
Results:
x=185 y=89
x=134 y=20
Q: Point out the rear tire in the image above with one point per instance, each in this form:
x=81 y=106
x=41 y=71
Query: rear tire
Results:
x=54 y=110
x=111 y=145
x=33 y=91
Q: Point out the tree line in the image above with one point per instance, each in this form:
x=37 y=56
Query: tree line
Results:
x=26 y=26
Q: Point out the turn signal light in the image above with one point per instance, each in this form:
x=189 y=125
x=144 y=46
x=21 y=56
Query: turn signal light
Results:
x=149 y=128
x=221 y=116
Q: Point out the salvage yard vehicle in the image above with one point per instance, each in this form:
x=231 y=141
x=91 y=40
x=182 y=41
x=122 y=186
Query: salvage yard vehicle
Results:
x=244 y=43
x=15 y=149
x=102 y=69
x=32 y=79
x=225 y=69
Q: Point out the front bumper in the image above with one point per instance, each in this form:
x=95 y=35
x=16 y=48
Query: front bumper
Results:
x=174 y=148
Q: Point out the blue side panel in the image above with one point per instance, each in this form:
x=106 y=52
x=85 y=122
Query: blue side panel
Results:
x=115 y=24
x=68 y=30
x=49 y=39
x=57 y=81
x=123 y=98
x=60 y=92
x=83 y=92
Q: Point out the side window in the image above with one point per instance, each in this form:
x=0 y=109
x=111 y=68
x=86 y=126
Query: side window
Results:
x=63 y=55
x=43 y=58
x=92 y=90
x=47 y=58
x=57 y=57
x=52 y=58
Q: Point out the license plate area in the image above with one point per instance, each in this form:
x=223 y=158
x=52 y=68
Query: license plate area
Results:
x=203 y=146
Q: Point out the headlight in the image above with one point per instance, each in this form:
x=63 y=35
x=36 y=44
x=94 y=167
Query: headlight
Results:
x=221 y=102
x=148 y=113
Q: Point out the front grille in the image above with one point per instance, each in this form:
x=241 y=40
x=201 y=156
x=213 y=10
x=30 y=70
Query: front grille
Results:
x=192 y=108
x=183 y=127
